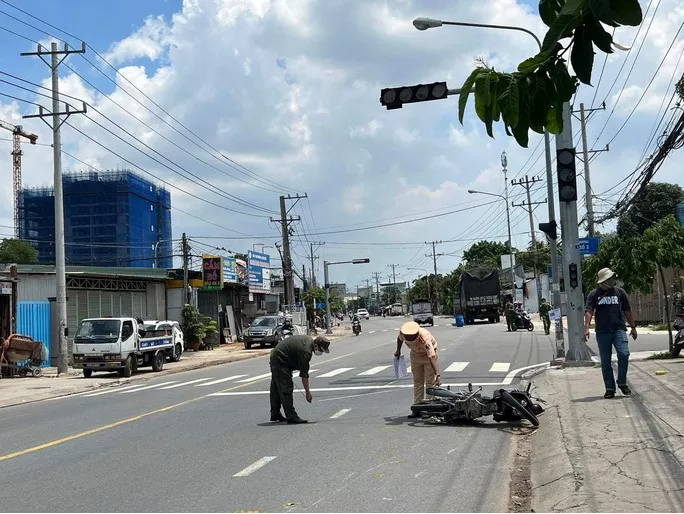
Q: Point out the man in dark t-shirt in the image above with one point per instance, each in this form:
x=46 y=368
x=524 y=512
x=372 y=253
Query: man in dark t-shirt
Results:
x=610 y=305
x=293 y=353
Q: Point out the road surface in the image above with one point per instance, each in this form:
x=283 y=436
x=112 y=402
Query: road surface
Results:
x=202 y=441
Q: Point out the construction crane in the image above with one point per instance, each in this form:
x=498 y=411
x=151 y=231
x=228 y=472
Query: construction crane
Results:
x=17 y=134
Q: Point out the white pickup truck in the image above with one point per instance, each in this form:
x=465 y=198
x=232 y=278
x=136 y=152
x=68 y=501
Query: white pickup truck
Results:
x=119 y=344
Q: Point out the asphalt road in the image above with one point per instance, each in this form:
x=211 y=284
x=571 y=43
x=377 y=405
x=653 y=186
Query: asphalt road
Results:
x=201 y=440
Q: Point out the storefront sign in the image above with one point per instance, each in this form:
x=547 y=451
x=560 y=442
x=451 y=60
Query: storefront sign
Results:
x=5 y=287
x=259 y=265
x=212 y=272
x=234 y=270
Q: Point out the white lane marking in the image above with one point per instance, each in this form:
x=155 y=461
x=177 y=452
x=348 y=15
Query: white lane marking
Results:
x=113 y=390
x=339 y=413
x=386 y=330
x=187 y=383
x=457 y=366
x=373 y=371
x=372 y=331
x=148 y=387
x=352 y=396
x=334 y=372
x=253 y=467
x=511 y=374
x=397 y=329
x=500 y=366
x=214 y=382
x=258 y=377
x=357 y=388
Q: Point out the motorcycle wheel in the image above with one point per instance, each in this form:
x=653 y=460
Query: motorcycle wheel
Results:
x=432 y=406
x=524 y=412
x=676 y=350
x=530 y=327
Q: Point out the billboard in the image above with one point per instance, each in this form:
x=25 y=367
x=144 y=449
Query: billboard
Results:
x=680 y=214
x=259 y=266
x=212 y=272
x=234 y=270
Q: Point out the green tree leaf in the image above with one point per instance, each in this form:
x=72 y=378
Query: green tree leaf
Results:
x=496 y=89
x=521 y=131
x=569 y=17
x=465 y=92
x=555 y=119
x=530 y=65
x=601 y=38
x=482 y=96
x=601 y=11
x=548 y=11
x=17 y=251
x=626 y=12
x=582 y=56
x=565 y=84
x=510 y=100
x=540 y=103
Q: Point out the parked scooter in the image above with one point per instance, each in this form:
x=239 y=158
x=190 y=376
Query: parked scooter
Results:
x=523 y=321
x=356 y=327
x=679 y=338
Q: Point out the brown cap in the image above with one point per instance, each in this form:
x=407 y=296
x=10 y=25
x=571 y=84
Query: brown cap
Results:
x=323 y=343
x=410 y=328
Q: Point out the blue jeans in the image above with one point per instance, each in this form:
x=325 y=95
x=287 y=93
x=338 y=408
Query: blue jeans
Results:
x=606 y=341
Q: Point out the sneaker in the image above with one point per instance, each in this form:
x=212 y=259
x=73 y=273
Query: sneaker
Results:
x=296 y=421
x=609 y=394
x=625 y=390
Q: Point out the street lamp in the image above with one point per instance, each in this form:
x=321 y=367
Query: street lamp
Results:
x=427 y=279
x=508 y=222
x=429 y=23
x=156 y=245
x=262 y=247
x=328 y=319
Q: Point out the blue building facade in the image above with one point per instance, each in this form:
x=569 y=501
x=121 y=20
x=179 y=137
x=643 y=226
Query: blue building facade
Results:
x=111 y=218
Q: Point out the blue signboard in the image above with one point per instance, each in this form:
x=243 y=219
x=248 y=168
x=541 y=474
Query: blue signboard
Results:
x=680 y=213
x=259 y=266
x=588 y=245
x=320 y=306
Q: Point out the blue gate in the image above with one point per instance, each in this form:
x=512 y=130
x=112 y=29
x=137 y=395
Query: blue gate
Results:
x=33 y=319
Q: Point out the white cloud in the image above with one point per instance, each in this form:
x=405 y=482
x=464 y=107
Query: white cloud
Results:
x=289 y=89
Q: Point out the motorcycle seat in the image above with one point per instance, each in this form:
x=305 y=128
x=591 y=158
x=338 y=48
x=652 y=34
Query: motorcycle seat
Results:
x=443 y=392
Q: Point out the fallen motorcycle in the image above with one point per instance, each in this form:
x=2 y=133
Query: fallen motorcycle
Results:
x=504 y=405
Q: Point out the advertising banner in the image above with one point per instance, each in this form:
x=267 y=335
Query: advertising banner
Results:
x=259 y=266
x=234 y=270
x=212 y=272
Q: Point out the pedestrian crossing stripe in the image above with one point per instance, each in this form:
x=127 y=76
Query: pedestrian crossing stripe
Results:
x=373 y=371
x=335 y=372
x=500 y=366
x=456 y=366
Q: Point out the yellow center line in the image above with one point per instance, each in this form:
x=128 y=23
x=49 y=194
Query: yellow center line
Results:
x=102 y=428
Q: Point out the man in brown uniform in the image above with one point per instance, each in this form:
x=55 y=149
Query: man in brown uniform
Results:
x=424 y=365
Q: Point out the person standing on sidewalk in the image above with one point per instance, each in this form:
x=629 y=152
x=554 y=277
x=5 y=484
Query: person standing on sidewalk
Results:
x=544 y=310
x=510 y=316
x=424 y=365
x=610 y=305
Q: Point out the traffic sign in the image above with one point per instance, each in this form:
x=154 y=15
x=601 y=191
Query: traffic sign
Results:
x=320 y=306
x=588 y=245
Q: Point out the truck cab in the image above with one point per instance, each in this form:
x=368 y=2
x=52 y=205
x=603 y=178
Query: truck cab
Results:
x=118 y=344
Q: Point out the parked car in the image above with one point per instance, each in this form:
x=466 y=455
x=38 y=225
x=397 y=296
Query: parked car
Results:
x=363 y=313
x=265 y=330
x=174 y=329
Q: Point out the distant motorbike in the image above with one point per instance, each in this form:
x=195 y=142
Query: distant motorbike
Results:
x=523 y=321
x=356 y=327
x=287 y=331
x=679 y=338
x=450 y=406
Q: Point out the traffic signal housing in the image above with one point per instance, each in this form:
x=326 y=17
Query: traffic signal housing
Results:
x=567 y=175
x=550 y=229
x=574 y=276
x=396 y=97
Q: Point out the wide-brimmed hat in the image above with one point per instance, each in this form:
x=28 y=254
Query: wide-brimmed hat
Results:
x=605 y=274
x=322 y=343
x=410 y=328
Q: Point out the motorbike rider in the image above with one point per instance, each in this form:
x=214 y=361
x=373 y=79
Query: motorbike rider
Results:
x=293 y=353
x=424 y=365
x=288 y=326
x=356 y=319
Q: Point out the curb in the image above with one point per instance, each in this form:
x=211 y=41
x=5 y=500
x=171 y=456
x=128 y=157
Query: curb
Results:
x=139 y=378
x=528 y=375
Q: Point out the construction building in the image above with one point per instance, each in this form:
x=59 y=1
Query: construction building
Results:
x=111 y=218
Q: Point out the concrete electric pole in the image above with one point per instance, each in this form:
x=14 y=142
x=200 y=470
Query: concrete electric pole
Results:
x=376 y=276
x=434 y=256
x=60 y=257
x=186 y=258
x=394 y=280
x=313 y=271
x=285 y=220
x=527 y=183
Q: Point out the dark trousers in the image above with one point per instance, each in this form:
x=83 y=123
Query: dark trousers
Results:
x=281 y=393
x=547 y=323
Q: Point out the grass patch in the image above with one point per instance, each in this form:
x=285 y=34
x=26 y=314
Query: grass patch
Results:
x=659 y=326
x=659 y=356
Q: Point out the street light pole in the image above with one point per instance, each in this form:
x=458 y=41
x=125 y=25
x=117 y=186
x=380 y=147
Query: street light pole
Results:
x=328 y=319
x=427 y=279
x=508 y=222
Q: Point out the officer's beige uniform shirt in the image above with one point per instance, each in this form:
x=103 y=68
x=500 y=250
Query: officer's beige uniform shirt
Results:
x=422 y=348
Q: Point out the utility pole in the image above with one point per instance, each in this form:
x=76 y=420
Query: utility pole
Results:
x=376 y=276
x=60 y=257
x=588 y=198
x=504 y=169
x=434 y=256
x=394 y=280
x=527 y=183
x=572 y=264
x=313 y=273
x=368 y=294
x=285 y=220
x=186 y=253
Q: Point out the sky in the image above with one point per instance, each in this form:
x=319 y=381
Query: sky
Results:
x=262 y=98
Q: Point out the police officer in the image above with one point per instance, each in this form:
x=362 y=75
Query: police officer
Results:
x=544 y=310
x=424 y=365
x=510 y=316
x=293 y=353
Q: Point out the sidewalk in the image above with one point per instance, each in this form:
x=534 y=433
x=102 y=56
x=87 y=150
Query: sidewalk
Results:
x=14 y=391
x=621 y=455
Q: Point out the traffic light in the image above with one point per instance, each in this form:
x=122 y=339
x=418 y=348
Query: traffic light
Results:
x=567 y=175
x=574 y=277
x=396 y=97
x=297 y=295
x=549 y=229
